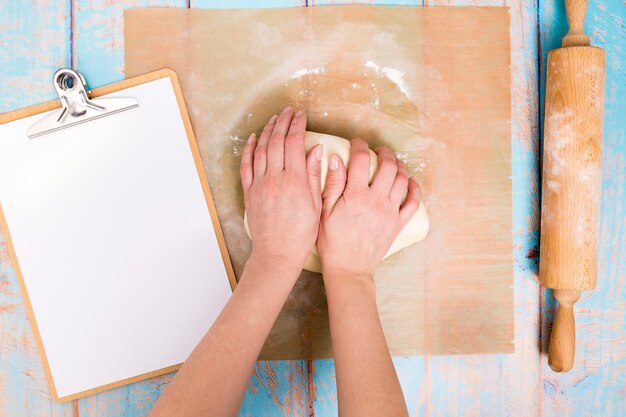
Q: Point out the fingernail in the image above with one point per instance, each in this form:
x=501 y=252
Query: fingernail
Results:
x=273 y=119
x=334 y=162
x=318 y=152
x=251 y=138
x=288 y=109
x=299 y=113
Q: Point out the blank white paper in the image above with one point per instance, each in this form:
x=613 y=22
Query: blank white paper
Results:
x=114 y=239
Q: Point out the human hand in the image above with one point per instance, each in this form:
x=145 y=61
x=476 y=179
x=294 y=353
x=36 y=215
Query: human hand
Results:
x=360 y=221
x=282 y=191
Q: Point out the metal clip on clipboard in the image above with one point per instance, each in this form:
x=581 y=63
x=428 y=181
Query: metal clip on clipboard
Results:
x=77 y=107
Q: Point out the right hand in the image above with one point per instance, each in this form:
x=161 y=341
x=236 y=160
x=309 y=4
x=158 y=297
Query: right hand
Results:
x=360 y=221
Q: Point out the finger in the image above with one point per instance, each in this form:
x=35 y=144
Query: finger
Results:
x=359 y=165
x=294 y=143
x=260 y=153
x=412 y=202
x=335 y=183
x=386 y=172
x=400 y=184
x=314 y=170
x=276 y=144
x=246 y=169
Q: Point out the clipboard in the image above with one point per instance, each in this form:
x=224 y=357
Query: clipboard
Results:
x=194 y=274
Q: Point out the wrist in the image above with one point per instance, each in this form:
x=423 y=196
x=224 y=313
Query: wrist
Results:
x=349 y=287
x=341 y=262
x=334 y=274
x=332 y=269
x=268 y=261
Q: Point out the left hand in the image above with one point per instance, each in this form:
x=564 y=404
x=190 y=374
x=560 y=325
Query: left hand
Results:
x=282 y=191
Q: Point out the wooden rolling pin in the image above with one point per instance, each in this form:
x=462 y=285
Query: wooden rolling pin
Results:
x=572 y=154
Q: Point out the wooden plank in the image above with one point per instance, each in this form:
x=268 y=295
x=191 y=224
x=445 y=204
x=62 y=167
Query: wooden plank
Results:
x=98 y=37
x=98 y=52
x=486 y=384
x=23 y=385
x=366 y=2
x=410 y=370
x=39 y=38
x=35 y=43
x=131 y=400
x=507 y=384
x=277 y=387
x=238 y=4
x=597 y=383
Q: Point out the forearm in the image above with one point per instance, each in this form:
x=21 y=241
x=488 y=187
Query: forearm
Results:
x=214 y=378
x=367 y=384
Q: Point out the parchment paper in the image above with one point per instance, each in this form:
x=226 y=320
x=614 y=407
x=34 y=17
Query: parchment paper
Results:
x=431 y=83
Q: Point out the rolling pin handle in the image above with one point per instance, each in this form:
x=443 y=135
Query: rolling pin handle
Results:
x=576 y=10
x=563 y=337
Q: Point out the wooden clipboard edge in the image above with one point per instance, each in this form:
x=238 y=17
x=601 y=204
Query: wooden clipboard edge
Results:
x=51 y=105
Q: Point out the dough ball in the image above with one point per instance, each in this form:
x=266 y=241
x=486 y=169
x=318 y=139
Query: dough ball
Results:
x=414 y=231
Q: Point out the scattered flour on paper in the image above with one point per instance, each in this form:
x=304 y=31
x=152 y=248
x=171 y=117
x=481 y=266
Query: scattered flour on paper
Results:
x=307 y=71
x=392 y=74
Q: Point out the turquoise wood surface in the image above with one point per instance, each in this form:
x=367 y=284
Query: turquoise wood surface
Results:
x=37 y=38
x=596 y=385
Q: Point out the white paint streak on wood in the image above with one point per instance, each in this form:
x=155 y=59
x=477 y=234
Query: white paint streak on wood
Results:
x=34 y=42
x=519 y=384
x=597 y=383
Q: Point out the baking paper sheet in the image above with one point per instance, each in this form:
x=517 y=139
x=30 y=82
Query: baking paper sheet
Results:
x=433 y=83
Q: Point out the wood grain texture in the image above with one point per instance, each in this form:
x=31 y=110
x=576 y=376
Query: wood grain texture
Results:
x=597 y=383
x=97 y=47
x=563 y=337
x=516 y=385
x=34 y=43
x=476 y=385
x=277 y=388
x=572 y=153
x=576 y=36
x=97 y=50
x=238 y=4
x=43 y=38
x=571 y=180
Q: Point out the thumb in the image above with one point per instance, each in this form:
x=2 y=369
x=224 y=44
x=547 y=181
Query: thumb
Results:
x=335 y=182
x=314 y=173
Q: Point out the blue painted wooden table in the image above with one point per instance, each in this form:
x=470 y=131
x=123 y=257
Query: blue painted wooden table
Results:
x=38 y=37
